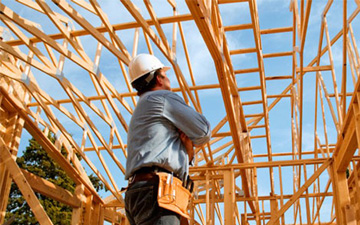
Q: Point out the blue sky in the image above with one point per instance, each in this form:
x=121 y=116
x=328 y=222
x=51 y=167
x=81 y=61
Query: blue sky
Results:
x=272 y=14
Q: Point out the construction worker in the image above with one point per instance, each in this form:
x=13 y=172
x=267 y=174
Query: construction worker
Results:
x=162 y=132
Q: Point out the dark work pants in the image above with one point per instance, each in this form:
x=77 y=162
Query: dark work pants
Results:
x=142 y=208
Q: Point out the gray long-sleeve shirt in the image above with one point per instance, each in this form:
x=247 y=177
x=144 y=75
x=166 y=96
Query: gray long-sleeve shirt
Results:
x=153 y=137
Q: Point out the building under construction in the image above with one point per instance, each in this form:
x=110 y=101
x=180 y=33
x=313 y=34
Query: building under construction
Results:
x=278 y=80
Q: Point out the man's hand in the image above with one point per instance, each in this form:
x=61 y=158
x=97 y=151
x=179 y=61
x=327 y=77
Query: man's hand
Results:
x=189 y=146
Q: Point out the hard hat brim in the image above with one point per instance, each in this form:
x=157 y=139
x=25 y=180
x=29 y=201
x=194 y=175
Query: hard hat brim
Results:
x=166 y=68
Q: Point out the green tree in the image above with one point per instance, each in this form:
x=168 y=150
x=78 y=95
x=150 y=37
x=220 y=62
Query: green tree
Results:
x=36 y=160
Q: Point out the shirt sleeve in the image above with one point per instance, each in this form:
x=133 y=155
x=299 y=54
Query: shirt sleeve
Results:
x=185 y=118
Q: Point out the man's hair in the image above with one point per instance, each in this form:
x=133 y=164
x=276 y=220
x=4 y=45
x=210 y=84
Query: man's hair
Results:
x=142 y=86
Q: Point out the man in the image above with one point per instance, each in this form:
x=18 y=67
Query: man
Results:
x=162 y=132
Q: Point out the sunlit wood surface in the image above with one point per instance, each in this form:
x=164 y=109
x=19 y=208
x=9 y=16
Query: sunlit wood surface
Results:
x=279 y=83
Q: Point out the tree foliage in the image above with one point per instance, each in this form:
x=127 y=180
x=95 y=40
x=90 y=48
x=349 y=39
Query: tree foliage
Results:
x=36 y=160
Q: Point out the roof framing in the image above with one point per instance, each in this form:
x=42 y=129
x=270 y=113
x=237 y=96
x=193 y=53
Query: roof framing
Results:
x=66 y=73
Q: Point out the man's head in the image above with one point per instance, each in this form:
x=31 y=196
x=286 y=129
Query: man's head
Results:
x=148 y=73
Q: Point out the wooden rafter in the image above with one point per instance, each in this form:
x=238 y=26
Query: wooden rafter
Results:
x=82 y=49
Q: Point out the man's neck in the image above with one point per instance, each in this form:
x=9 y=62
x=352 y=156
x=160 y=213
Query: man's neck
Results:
x=158 y=87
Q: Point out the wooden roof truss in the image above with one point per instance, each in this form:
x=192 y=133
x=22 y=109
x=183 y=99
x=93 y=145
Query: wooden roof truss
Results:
x=78 y=49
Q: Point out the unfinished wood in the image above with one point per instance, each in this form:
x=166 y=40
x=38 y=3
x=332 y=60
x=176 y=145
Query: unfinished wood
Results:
x=10 y=131
x=212 y=45
x=315 y=68
x=278 y=77
x=157 y=25
x=185 y=88
x=87 y=211
x=51 y=190
x=102 y=29
x=67 y=8
x=242 y=51
x=276 y=30
x=333 y=73
x=23 y=185
x=51 y=149
x=238 y=27
x=277 y=54
x=250 y=70
x=229 y=197
x=77 y=213
x=238 y=96
x=299 y=192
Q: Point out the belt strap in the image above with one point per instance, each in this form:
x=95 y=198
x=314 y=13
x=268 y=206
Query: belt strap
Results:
x=141 y=176
x=149 y=173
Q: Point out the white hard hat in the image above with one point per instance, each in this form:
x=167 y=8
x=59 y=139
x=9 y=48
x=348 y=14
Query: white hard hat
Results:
x=143 y=64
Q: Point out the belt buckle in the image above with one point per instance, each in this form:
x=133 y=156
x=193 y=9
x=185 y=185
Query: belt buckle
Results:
x=132 y=178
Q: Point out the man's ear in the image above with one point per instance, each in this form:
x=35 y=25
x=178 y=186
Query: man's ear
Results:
x=159 y=81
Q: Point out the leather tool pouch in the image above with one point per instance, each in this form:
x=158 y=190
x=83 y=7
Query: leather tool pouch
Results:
x=172 y=195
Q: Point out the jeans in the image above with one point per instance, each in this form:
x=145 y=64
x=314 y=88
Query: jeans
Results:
x=142 y=208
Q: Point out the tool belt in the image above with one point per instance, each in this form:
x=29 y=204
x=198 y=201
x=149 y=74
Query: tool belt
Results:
x=172 y=195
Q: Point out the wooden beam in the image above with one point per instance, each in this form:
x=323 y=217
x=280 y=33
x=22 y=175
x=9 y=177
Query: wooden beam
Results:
x=315 y=68
x=231 y=1
x=276 y=30
x=229 y=197
x=278 y=77
x=51 y=190
x=241 y=166
x=225 y=76
x=48 y=145
x=238 y=27
x=95 y=33
x=112 y=201
x=243 y=51
x=77 y=213
x=163 y=48
x=23 y=185
x=346 y=148
x=249 y=70
x=218 y=199
x=296 y=195
x=277 y=54
x=253 y=88
x=11 y=126
x=103 y=29
x=115 y=217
